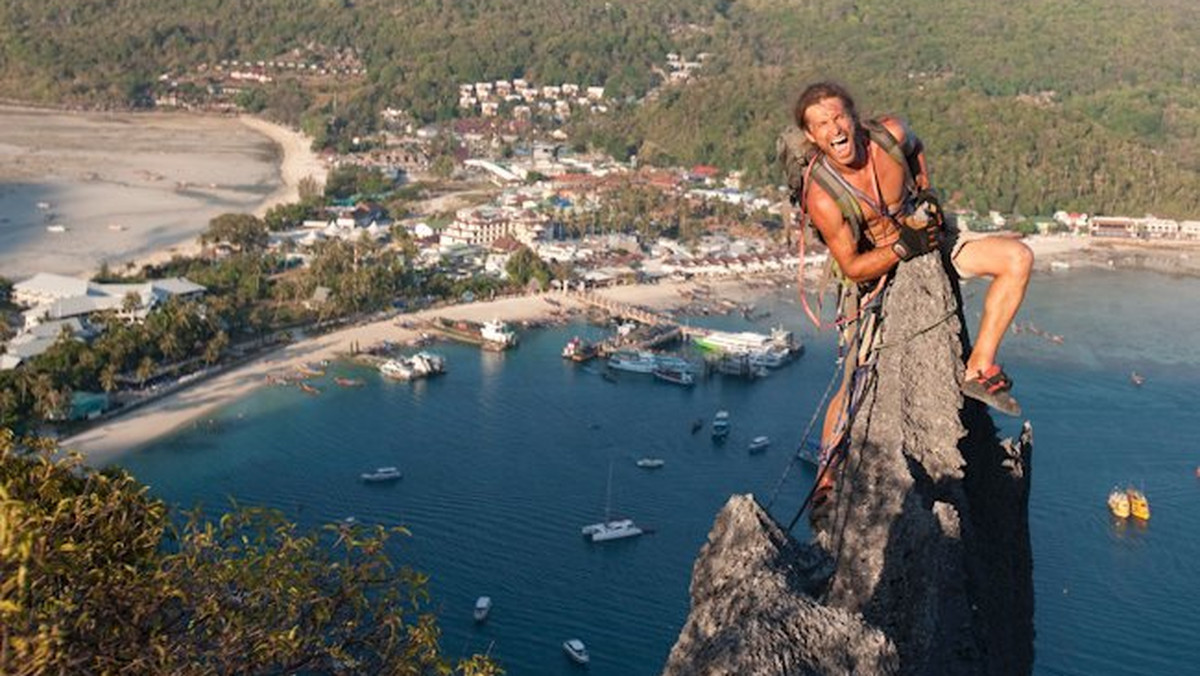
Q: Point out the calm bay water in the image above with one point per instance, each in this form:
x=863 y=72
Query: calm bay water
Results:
x=508 y=455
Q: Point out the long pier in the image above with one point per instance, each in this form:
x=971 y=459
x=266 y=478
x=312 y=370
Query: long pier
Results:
x=663 y=328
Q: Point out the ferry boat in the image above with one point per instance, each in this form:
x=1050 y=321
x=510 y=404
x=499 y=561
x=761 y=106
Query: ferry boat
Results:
x=759 y=444
x=651 y=463
x=576 y=651
x=382 y=474
x=1139 y=507
x=633 y=361
x=720 y=425
x=578 y=349
x=748 y=341
x=1118 y=503
x=483 y=606
x=497 y=334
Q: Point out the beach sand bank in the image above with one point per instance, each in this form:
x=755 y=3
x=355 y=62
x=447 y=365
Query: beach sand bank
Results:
x=128 y=187
x=108 y=441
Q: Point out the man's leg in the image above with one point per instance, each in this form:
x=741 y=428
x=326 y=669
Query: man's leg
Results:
x=1008 y=262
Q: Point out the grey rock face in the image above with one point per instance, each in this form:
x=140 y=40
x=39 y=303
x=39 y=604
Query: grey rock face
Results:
x=924 y=566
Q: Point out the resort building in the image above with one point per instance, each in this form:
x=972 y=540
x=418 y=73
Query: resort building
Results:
x=483 y=225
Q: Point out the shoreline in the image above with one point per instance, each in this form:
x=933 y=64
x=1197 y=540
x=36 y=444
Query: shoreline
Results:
x=128 y=432
x=108 y=441
x=134 y=187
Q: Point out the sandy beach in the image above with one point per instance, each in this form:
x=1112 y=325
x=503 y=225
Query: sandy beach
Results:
x=108 y=441
x=81 y=189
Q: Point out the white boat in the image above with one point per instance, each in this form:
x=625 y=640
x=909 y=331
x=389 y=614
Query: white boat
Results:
x=773 y=350
x=498 y=334
x=428 y=364
x=610 y=528
x=398 y=369
x=382 y=474
x=651 y=463
x=634 y=361
x=759 y=444
x=56 y=228
x=576 y=650
x=720 y=424
x=483 y=606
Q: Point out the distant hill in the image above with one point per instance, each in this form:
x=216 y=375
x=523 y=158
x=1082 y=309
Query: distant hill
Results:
x=1025 y=105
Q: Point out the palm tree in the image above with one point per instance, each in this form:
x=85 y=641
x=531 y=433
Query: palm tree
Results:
x=108 y=377
x=145 y=369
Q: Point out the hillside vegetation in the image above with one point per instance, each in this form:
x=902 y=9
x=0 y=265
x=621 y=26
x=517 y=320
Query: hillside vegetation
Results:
x=1025 y=106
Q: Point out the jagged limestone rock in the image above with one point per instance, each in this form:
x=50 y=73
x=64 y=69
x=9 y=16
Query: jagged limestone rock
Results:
x=924 y=564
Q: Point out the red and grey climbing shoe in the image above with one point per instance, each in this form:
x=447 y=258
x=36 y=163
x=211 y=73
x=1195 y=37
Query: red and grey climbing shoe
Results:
x=992 y=388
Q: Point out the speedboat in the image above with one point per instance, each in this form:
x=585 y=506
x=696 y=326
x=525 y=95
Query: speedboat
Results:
x=382 y=474
x=576 y=650
x=1139 y=507
x=720 y=425
x=759 y=444
x=651 y=463
x=1118 y=503
x=483 y=606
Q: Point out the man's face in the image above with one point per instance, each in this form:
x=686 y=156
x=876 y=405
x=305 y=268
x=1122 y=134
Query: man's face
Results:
x=831 y=127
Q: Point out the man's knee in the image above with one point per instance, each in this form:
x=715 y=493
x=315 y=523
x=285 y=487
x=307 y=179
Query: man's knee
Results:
x=1020 y=260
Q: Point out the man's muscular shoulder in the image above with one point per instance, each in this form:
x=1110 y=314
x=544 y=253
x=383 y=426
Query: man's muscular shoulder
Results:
x=822 y=208
x=899 y=129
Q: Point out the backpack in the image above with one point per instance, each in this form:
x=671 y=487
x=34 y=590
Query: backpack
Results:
x=803 y=163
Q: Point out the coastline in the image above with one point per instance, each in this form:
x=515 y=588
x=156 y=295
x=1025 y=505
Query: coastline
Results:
x=133 y=188
x=125 y=433
x=108 y=441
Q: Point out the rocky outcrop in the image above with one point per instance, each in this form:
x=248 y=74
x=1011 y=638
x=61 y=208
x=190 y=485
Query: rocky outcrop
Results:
x=923 y=565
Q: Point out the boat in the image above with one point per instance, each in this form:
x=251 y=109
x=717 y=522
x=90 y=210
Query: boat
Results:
x=1137 y=379
x=578 y=349
x=483 y=606
x=349 y=382
x=1118 y=503
x=310 y=371
x=428 y=364
x=398 y=369
x=56 y=228
x=810 y=452
x=651 y=463
x=674 y=375
x=1139 y=507
x=759 y=444
x=727 y=342
x=497 y=334
x=610 y=528
x=634 y=361
x=308 y=389
x=720 y=425
x=1060 y=265
x=382 y=474
x=576 y=650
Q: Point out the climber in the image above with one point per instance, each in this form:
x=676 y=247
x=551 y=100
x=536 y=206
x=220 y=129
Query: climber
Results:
x=898 y=221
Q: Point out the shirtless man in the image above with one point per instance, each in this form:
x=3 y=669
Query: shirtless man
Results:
x=825 y=112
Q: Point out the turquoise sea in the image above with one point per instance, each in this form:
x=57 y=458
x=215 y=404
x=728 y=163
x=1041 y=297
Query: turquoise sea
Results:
x=507 y=455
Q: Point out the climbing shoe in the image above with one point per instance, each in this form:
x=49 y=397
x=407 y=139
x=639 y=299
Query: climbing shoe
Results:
x=992 y=388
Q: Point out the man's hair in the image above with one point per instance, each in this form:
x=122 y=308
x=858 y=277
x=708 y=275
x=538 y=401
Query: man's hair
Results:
x=819 y=91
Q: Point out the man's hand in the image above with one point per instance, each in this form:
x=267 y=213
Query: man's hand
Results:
x=920 y=232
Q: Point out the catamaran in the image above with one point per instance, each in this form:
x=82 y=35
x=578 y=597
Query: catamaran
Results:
x=610 y=528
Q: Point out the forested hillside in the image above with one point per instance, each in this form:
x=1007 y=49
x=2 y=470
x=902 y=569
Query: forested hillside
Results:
x=1025 y=105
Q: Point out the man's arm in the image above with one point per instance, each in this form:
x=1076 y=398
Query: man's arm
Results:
x=827 y=218
x=906 y=137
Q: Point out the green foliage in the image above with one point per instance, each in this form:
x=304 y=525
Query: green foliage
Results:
x=525 y=265
x=289 y=216
x=244 y=232
x=96 y=577
x=349 y=180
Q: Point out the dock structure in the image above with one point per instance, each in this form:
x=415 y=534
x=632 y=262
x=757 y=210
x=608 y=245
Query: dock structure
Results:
x=663 y=328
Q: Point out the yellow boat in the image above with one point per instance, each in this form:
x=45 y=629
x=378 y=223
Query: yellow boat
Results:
x=1139 y=507
x=1118 y=503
